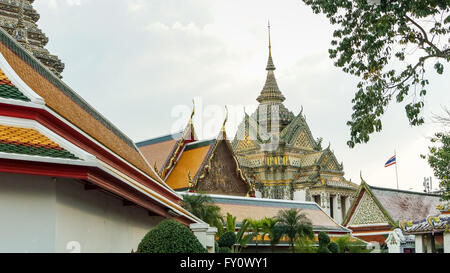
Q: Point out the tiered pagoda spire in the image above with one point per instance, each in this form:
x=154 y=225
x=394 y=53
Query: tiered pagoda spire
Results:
x=271 y=108
x=270 y=92
x=19 y=19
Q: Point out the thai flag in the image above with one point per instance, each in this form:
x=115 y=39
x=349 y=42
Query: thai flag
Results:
x=391 y=161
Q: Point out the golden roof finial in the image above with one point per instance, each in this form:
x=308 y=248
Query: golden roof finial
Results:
x=193 y=112
x=226 y=119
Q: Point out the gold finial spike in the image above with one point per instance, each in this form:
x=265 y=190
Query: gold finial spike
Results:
x=193 y=112
x=270 y=44
x=226 y=119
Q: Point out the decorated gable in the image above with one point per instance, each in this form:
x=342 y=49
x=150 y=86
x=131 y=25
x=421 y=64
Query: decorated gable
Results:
x=367 y=212
x=221 y=174
x=329 y=162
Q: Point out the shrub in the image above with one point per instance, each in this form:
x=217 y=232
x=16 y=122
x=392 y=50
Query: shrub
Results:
x=333 y=247
x=324 y=241
x=170 y=236
x=228 y=239
x=224 y=250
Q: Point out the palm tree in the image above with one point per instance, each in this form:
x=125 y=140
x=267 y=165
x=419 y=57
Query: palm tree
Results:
x=256 y=226
x=242 y=239
x=202 y=206
x=270 y=227
x=295 y=224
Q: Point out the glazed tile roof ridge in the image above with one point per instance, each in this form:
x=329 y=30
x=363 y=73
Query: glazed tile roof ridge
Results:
x=198 y=144
x=15 y=47
x=159 y=139
x=405 y=191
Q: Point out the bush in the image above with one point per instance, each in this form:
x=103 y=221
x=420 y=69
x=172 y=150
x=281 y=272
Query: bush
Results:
x=224 y=250
x=324 y=241
x=228 y=239
x=348 y=245
x=170 y=236
x=333 y=247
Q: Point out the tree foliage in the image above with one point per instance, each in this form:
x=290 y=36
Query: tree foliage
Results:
x=228 y=239
x=439 y=159
x=170 y=236
x=202 y=207
x=387 y=46
x=324 y=241
x=294 y=224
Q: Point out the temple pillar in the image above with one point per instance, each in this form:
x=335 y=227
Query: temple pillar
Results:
x=205 y=235
x=446 y=242
x=325 y=202
x=348 y=203
x=419 y=243
x=338 y=217
x=428 y=244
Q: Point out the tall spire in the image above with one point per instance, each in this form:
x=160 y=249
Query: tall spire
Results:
x=270 y=65
x=270 y=92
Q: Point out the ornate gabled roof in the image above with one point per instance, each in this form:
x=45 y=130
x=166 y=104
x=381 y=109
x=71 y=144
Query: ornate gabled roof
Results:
x=396 y=205
x=298 y=134
x=247 y=135
x=328 y=161
x=189 y=165
x=195 y=162
x=25 y=141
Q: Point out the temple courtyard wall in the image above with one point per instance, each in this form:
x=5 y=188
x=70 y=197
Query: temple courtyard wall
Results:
x=45 y=214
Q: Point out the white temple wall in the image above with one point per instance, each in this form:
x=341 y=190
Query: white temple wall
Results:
x=41 y=214
x=300 y=195
x=446 y=242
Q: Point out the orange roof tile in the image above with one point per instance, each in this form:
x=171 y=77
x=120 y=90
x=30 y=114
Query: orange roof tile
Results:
x=189 y=163
x=158 y=152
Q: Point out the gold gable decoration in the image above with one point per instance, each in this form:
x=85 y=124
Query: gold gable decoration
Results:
x=303 y=141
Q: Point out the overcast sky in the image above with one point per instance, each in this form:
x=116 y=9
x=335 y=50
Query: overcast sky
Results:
x=138 y=61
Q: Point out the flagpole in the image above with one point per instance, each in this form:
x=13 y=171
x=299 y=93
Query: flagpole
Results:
x=396 y=162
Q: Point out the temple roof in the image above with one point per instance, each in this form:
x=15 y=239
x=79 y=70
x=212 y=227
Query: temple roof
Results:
x=8 y=90
x=406 y=205
x=66 y=103
x=26 y=141
x=396 y=205
x=257 y=208
x=158 y=150
x=189 y=164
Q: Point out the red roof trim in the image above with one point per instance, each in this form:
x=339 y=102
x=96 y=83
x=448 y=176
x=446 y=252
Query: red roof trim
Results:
x=55 y=124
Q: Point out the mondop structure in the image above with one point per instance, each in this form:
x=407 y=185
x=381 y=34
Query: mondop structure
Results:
x=281 y=157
